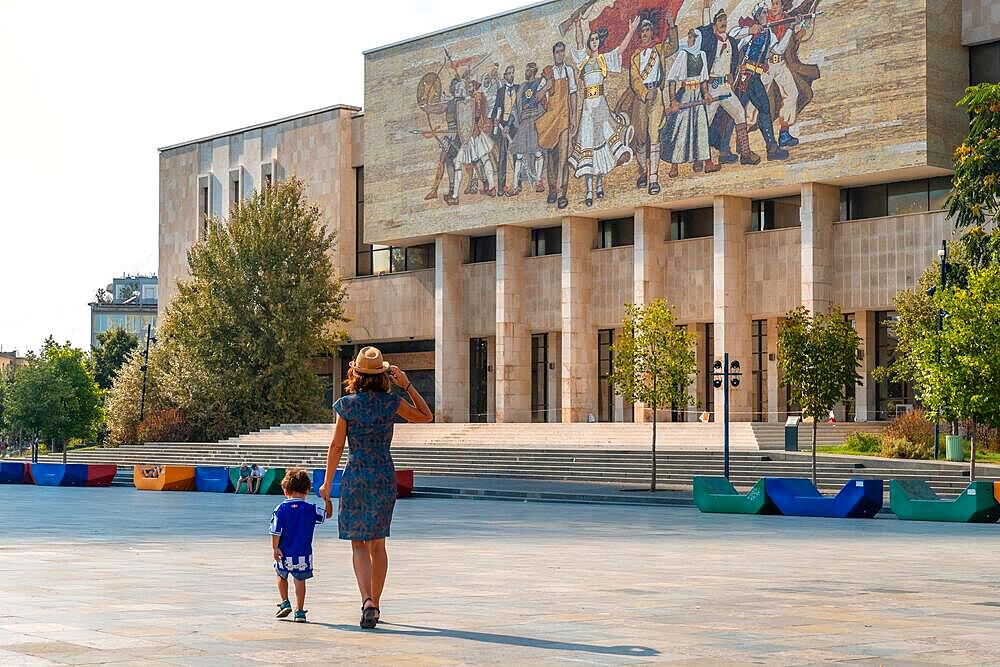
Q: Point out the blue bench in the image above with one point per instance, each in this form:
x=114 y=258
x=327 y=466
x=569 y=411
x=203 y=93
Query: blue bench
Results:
x=11 y=472
x=213 y=479
x=60 y=474
x=319 y=476
x=794 y=496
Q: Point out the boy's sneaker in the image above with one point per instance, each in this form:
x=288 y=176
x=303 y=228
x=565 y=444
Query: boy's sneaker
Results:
x=284 y=609
x=300 y=616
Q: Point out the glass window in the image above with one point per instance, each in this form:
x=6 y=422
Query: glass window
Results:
x=483 y=249
x=420 y=257
x=539 y=377
x=906 y=197
x=775 y=213
x=709 y=361
x=758 y=372
x=398 y=260
x=984 y=63
x=380 y=259
x=546 y=241
x=605 y=390
x=890 y=397
x=940 y=190
x=867 y=202
x=850 y=402
x=616 y=233
x=692 y=223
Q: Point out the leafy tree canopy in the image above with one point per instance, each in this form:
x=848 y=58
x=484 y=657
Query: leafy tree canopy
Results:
x=114 y=346
x=818 y=358
x=236 y=343
x=976 y=195
x=54 y=395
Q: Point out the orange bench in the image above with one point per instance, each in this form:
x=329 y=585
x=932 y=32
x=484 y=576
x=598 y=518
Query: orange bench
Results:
x=163 y=478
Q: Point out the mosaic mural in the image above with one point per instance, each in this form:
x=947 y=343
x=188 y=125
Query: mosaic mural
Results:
x=573 y=106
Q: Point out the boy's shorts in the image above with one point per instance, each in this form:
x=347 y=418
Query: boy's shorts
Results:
x=298 y=573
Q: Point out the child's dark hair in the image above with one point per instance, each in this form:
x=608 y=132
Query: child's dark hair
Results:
x=296 y=481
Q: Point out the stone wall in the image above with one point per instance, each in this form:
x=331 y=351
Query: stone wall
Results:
x=773 y=268
x=397 y=306
x=612 y=286
x=980 y=21
x=688 y=279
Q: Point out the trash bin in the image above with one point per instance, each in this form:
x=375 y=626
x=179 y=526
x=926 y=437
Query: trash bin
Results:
x=792 y=434
x=953 y=447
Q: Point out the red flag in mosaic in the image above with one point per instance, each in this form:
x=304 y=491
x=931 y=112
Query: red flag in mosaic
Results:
x=615 y=19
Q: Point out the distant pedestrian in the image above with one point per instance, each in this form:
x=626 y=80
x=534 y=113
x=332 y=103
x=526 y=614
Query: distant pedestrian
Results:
x=256 y=477
x=244 y=478
x=368 y=487
x=292 y=525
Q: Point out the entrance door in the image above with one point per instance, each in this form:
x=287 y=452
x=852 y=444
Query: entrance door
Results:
x=477 y=380
x=539 y=377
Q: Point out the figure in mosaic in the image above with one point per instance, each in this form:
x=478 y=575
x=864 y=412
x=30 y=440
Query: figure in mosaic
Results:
x=722 y=58
x=603 y=138
x=430 y=102
x=684 y=136
x=755 y=41
x=557 y=125
x=473 y=134
x=787 y=80
x=491 y=83
x=643 y=100
x=528 y=156
x=501 y=114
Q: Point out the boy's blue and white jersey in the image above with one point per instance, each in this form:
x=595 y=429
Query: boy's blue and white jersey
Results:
x=294 y=520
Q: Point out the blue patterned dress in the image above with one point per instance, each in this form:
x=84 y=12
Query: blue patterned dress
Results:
x=368 y=488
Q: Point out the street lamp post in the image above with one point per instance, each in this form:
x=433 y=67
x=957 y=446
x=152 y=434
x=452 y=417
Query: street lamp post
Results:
x=724 y=374
x=145 y=371
x=943 y=256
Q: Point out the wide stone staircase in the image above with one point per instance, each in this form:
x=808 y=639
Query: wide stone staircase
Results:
x=615 y=454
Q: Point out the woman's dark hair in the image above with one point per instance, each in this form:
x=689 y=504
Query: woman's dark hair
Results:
x=296 y=481
x=602 y=34
x=357 y=382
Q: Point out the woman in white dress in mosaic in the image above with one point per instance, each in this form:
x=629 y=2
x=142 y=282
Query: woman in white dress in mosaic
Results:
x=603 y=138
x=684 y=137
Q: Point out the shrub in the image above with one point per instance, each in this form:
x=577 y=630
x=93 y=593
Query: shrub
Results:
x=167 y=425
x=864 y=443
x=901 y=448
x=913 y=427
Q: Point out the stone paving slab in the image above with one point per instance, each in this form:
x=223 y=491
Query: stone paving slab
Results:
x=117 y=576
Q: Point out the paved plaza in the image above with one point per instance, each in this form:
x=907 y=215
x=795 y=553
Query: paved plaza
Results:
x=94 y=576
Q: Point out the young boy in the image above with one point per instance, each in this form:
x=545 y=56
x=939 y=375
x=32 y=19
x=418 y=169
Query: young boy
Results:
x=292 y=525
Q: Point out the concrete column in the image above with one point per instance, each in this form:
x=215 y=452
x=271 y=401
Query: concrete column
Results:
x=864 y=393
x=774 y=402
x=650 y=250
x=513 y=341
x=491 y=385
x=554 y=379
x=579 y=338
x=820 y=209
x=731 y=321
x=451 y=347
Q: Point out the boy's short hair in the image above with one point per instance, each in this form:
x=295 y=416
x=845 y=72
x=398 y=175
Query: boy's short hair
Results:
x=296 y=481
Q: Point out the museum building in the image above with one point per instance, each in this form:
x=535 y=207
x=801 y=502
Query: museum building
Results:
x=495 y=207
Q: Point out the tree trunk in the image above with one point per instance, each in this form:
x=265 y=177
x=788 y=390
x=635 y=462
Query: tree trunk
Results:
x=652 y=479
x=972 y=452
x=814 y=451
x=64 y=444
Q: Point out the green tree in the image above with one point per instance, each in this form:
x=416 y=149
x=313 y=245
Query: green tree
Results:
x=236 y=343
x=818 y=359
x=654 y=362
x=114 y=347
x=968 y=378
x=54 y=396
x=976 y=195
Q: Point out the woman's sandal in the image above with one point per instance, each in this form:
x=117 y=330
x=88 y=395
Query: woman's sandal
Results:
x=369 y=615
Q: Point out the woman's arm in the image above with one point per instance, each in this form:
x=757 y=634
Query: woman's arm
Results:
x=418 y=412
x=333 y=455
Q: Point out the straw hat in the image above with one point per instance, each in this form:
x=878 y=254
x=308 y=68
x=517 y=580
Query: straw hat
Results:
x=369 y=361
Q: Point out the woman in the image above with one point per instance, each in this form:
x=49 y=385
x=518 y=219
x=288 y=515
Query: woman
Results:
x=368 y=488
x=684 y=137
x=603 y=138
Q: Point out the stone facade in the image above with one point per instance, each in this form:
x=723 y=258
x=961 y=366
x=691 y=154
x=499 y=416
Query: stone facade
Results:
x=882 y=111
x=980 y=21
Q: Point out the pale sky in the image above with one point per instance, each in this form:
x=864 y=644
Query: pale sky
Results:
x=91 y=89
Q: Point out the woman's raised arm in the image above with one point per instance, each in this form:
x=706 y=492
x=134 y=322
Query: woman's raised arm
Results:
x=418 y=412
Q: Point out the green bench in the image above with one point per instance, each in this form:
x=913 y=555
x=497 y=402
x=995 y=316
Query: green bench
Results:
x=915 y=500
x=716 y=494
